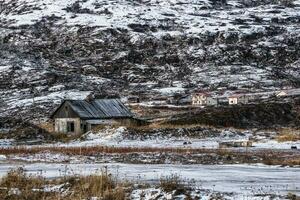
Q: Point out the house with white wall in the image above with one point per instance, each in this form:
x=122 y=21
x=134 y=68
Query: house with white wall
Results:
x=289 y=93
x=238 y=99
x=203 y=99
x=80 y=116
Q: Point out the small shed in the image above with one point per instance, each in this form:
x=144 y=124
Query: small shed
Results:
x=79 y=116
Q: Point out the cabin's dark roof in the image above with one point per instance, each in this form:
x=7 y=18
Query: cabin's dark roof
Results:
x=98 y=109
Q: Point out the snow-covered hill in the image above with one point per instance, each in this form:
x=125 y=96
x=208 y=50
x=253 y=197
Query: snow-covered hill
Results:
x=54 y=49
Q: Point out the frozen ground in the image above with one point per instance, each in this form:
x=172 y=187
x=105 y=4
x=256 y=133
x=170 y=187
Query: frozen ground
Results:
x=118 y=138
x=241 y=180
x=181 y=142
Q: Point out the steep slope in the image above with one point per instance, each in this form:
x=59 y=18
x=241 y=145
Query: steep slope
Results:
x=51 y=50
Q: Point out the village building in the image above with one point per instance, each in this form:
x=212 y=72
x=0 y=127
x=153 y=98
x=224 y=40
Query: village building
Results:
x=289 y=93
x=80 y=116
x=238 y=99
x=203 y=99
x=180 y=99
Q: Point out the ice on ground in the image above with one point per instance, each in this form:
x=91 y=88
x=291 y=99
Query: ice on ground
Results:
x=117 y=137
x=273 y=144
x=239 y=179
x=46 y=157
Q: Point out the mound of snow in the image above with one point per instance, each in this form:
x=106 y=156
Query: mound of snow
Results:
x=110 y=134
x=2 y=157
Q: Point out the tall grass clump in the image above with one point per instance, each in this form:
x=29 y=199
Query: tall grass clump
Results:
x=172 y=183
x=103 y=186
x=288 y=135
x=17 y=185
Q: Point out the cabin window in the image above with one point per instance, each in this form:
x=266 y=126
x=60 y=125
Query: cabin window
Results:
x=70 y=126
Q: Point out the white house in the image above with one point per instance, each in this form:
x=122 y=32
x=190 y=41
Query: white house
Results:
x=238 y=99
x=282 y=93
x=203 y=99
x=289 y=93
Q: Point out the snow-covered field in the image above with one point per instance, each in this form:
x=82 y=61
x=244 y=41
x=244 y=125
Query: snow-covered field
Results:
x=241 y=180
x=118 y=138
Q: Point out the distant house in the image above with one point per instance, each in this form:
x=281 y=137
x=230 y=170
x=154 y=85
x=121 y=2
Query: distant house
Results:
x=180 y=99
x=238 y=99
x=203 y=99
x=79 y=116
x=281 y=94
x=289 y=93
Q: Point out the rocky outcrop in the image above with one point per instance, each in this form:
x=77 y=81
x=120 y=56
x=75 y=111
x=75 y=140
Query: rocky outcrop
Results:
x=53 y=50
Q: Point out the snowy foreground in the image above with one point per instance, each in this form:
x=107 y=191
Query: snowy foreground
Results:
x=241 y=180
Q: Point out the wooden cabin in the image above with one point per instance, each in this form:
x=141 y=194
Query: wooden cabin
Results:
x=80 y=116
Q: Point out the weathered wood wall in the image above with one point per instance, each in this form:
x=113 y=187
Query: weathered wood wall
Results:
x=61 y=125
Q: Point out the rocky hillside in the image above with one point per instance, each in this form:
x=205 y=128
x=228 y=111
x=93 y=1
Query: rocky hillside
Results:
x=265 y=115
x=50 y=50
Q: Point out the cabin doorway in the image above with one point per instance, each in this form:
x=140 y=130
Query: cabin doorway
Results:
x=70 y=127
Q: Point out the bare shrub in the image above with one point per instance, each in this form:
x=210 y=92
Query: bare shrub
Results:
x=172 y=183
x=292 y=196
x=16 y=185
x=288 y=135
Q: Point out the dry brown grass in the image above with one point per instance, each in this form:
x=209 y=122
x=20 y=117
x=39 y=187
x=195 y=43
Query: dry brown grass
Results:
x=172 y=183
x=281 y=161
x=94 y=150
x=292 y=196
x=48 y=126
x=165 y=125
x=63 y=137
x=273 y=157
x=103 y=185
x=288 y=134
x=16 y=185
